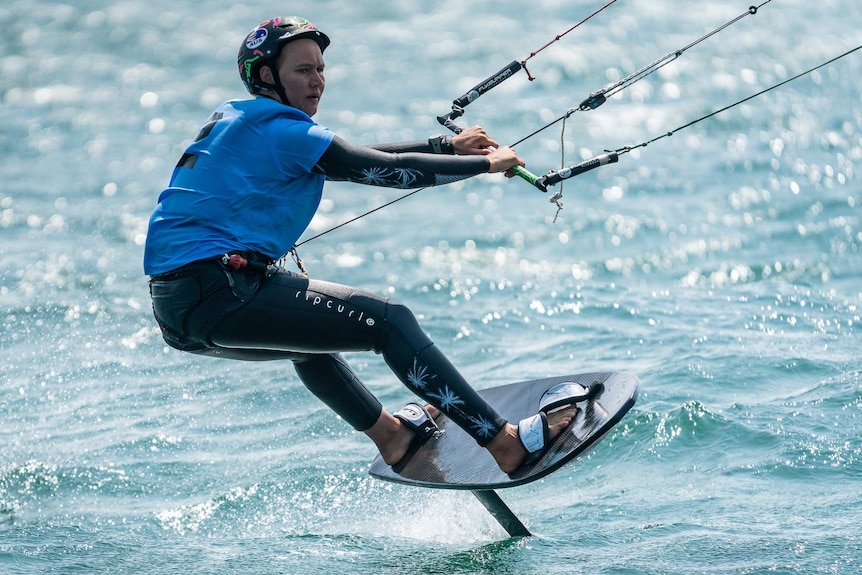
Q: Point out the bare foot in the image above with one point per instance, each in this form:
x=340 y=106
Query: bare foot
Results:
x=509 y=452
x=392 y=437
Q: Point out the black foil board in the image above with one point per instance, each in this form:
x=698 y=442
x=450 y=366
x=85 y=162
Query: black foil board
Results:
x=455 y=460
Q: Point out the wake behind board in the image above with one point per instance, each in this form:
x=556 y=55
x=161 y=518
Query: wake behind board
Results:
x=455 y=461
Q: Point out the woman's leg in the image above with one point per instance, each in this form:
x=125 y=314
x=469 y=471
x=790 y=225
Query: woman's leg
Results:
x=308 y=322
x=332 y=381
x=297 y=315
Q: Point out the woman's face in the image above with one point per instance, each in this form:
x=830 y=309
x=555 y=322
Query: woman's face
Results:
x=300 y=68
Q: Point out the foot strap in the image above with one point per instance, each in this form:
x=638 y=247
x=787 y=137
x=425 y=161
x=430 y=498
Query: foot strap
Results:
x=418 y=420
x=567 y=393
x=533 y=433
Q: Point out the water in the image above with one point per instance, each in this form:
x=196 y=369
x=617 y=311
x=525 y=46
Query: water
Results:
x=721 y=265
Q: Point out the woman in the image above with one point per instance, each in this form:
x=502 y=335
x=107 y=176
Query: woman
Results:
x=239 y=198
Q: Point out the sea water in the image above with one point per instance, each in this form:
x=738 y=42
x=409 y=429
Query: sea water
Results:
x=720 y=264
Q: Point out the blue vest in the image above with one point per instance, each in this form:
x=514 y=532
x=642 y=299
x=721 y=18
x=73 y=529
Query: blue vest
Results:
x=245 y=184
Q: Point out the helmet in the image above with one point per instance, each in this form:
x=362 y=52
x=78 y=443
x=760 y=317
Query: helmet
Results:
x=265 y=42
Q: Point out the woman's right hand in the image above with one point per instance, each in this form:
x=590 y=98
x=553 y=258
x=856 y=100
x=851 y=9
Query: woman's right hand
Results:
x=502 y=159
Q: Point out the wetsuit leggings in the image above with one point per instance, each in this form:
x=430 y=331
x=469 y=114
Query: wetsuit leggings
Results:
x=209 y=309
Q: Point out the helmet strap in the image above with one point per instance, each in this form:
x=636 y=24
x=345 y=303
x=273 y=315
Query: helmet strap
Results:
x=278 y=86
x=275 y=86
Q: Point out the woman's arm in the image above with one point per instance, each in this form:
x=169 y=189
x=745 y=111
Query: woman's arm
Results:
x=343 y=161
x=471 y=141
x=434 y=145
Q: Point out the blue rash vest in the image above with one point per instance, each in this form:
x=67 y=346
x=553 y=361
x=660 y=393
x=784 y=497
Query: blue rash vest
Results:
x=245 y=184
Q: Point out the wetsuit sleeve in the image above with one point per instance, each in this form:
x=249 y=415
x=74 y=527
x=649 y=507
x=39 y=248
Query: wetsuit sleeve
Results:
x=444 y=146
x=343 y=161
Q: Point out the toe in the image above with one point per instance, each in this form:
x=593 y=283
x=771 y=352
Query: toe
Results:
x=560 y=420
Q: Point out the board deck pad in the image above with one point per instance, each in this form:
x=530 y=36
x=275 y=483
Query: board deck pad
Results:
x=455 y=461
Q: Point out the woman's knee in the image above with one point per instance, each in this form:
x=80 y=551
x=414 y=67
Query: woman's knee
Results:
x=399 y=314
x=402 y=319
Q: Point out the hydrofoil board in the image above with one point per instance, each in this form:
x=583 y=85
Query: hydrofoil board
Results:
x=453 y=459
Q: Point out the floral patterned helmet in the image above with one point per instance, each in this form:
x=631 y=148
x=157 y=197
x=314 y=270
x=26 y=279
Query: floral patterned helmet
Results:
x=265 y=42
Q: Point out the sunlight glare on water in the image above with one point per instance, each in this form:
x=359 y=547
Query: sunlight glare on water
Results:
x=720 y=264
